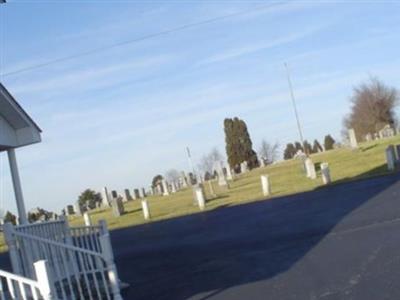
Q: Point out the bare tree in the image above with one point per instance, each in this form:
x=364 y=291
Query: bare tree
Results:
x=268 y=152
x=215 y=155
x=372 y=107
x=172 y=175
x=206 y=164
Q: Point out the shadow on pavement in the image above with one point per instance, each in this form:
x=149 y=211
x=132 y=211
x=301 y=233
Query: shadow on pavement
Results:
x=198 y=256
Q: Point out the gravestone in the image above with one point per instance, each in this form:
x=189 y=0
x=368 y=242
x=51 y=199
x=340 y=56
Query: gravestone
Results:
x=127 y=194
x=158 y=189
x=266 y=185
x=261 y=161
x=390 y=157
x=229 y=174
x=136 y=193
x=144 y=193
x=86 y=219
x=200 y=196
x=211 y=188
x=397 y=154
x=69 y=210
x=117 y=207
x=105 y=196
x=184 y=180
x=310 y=169
x=221 y=175
x=302 y=157
x=386 y=132
x=173 y=187
x=368 y=137
x=145 y=209
x=114 y=194
x=326 y=174
x=352 y=138
x=78 y=208
x=165 y=187
x=244 y=167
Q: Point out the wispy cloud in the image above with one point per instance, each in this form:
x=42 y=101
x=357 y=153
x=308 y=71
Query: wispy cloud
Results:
x=92 y=77
x=258 y=46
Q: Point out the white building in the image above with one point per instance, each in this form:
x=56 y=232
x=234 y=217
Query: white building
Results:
x=17 y=130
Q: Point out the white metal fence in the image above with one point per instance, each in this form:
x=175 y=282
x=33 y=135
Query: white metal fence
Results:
x=17 y=287
x=79 y=259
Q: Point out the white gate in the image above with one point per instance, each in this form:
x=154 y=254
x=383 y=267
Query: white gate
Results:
x=80 y=260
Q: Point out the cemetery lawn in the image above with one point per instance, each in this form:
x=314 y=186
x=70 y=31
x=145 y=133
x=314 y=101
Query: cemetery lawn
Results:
x=287 y=177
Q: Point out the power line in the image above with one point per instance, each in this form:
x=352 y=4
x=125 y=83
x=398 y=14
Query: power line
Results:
x=145 y=37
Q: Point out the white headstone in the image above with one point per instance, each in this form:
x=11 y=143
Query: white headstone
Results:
x=158 y=189
x=173 y=187
x=200 y=198
x=145 y=209
x=244 y=167
x=165 y=188
x=266 y=185
x=87 y=220
x=184 y=180
x=117 y=207
x=78 y=208
x=326 y=174
x=105 y=197
x=261 y=161
x=353 y=139
x=390 y=158
x=229 y=174
x=310 y=169
x=221 y=175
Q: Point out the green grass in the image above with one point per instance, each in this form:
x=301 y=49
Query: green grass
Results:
x=286 y=178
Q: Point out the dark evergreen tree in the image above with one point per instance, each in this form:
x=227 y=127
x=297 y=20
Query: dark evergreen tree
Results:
x=317 y=147
x=298 y=147
x=289 y=152
x=10 y=218
x=307 y=147
x=89 y=198
x=239 y=147
x=329 y=142
x=157 y=180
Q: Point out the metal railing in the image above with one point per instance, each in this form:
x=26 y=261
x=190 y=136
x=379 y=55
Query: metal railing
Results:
x=80 y=259
x=18 y=287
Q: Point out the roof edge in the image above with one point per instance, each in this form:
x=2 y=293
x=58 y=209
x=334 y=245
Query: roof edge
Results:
x=19 y=107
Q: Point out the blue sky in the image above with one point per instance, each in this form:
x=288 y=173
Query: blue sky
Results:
x=117 y=117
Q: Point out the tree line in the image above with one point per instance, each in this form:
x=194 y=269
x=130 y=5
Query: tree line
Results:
x=293 y=148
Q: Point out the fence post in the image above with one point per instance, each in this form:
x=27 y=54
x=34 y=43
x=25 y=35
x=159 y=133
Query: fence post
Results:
x=8 y=229
x=111 y=268
x=44 y=280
